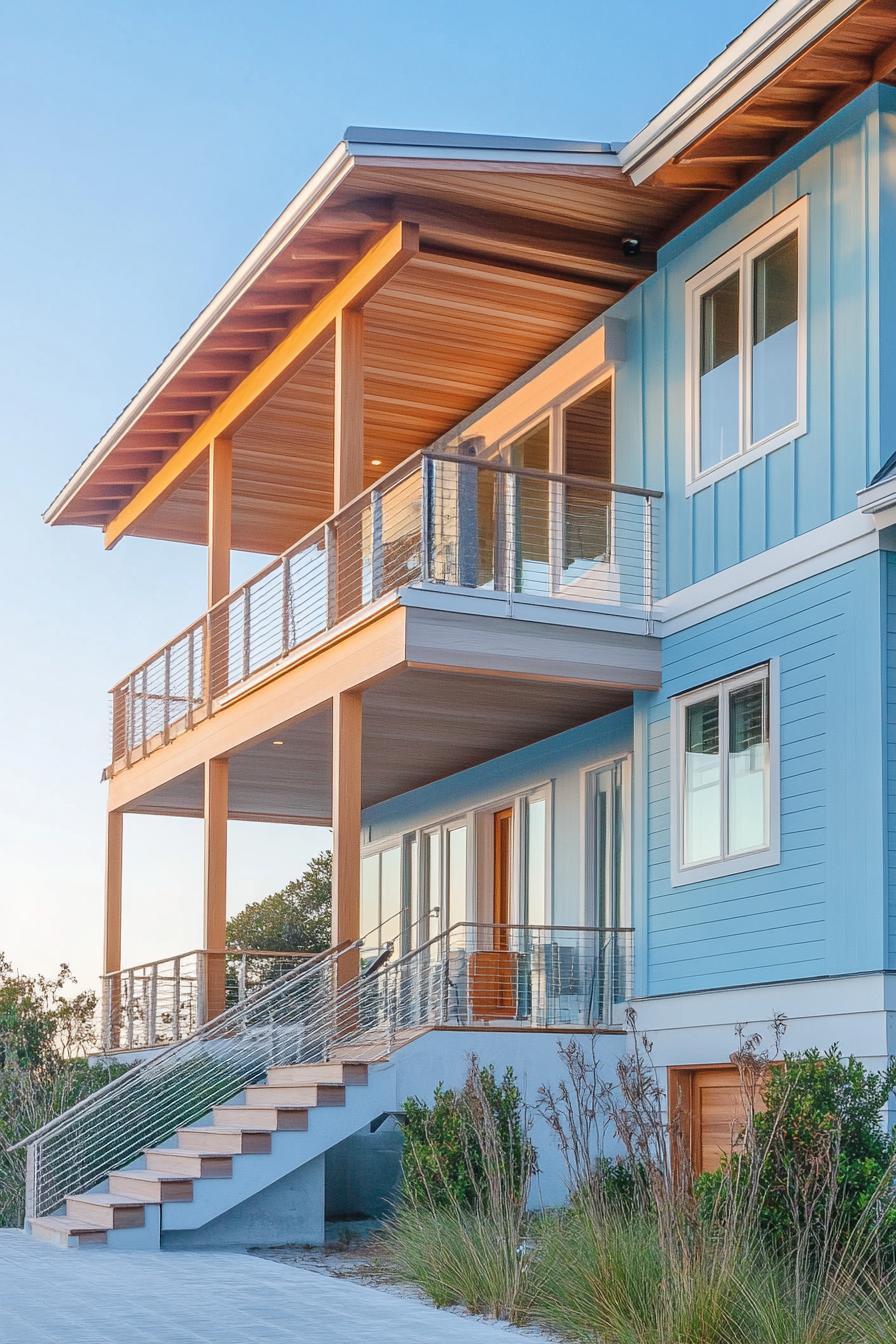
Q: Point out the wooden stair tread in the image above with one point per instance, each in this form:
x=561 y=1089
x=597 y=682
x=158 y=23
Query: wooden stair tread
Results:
x=221 y=1129
x=60 y=1222
x=146 y=1176
x=247 y=1110
x=110 y=1201
x=186 y=1152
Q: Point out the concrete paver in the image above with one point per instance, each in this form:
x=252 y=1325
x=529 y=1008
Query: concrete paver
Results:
x=102 y=1296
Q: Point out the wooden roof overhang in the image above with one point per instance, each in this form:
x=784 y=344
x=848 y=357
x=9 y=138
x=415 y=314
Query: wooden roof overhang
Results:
x=790 y=70
x=512 y=251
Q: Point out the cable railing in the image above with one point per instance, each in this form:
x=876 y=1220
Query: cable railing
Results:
x=163 y=1001
x=445 y=519
x=471 y=975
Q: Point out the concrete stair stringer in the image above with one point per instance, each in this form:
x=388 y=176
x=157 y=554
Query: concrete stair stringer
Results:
x=290 y=1150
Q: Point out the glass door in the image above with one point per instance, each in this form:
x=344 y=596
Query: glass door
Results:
x=608 y=889
x=583 y=531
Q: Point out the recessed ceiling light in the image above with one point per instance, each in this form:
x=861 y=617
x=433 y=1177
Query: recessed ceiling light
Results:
x=376 y=461
x=278 y=741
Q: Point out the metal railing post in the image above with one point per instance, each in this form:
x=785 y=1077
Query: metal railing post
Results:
x=241 y=979
x=31 y=1181
x=130 y=1031
x=166 y=696
x=376 y=544
x=648 y=562
x=247 y=631
x=286 y=608
x=426 y=518
x=175 y=1025
x=191 y=676
x=330 y=543
x=201 y=990
x=152 y=1032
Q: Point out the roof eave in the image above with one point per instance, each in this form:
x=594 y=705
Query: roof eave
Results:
x=761 y=51
x=300 y=209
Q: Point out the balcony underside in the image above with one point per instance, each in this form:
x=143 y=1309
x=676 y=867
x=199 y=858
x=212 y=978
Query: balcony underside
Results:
x=443 y=690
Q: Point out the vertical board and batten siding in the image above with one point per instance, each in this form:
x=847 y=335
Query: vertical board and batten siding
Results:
x=557 y=761
x=846 y=170
x=820 y=910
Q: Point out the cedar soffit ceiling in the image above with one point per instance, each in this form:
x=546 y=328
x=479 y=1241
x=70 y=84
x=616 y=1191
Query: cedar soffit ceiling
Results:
x=513 y=260
x=519 y=248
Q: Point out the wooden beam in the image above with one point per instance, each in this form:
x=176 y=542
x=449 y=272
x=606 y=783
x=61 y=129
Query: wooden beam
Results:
x=885 y=63
x=214 y=924
x=506 y=236
x=593 y=289
x=112 y=907
x=370 y=273
x=347 y=736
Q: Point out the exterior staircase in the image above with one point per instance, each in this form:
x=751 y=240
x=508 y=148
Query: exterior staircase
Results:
x=240 y=1148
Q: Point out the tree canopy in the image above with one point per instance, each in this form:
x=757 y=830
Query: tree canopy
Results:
x=296 y=919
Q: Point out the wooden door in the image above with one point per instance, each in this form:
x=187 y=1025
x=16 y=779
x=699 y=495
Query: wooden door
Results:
x=502 y=877
x=713 y=1113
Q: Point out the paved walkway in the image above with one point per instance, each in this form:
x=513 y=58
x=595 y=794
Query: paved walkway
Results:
x=98 y=1296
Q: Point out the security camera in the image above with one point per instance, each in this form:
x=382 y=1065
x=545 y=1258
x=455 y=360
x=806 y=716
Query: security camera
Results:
x=631 y=247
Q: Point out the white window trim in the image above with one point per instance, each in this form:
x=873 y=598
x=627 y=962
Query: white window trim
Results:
x=740 y=258
x=472 y=819
x=587 y=875
x=768 y=856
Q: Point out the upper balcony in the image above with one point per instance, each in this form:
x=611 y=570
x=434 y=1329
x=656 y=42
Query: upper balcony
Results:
x=460 y=541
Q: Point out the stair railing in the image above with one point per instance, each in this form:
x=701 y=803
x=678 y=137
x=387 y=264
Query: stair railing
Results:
x=180 y=1084
x=469 y=975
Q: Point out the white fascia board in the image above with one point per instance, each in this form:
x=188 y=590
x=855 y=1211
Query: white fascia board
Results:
x=314 y=193
x=875 y=499
x=835 y=543
x=760 y=52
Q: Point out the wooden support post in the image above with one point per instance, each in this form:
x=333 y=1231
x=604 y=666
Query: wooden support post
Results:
x=214 y=937
x=348 y=444
x=348 y=456
x=220 y=512
x=111 y=1024
x=347 y=731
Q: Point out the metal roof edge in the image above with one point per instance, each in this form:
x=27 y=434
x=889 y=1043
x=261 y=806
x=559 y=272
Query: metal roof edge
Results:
x=763 y=48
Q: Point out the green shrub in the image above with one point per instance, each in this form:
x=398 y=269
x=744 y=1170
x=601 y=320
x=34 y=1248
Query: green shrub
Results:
x=446 y=1144
x=817 y=1162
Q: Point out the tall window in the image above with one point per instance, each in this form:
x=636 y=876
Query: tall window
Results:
x=381 y=900
x=725 y=802
x=746 y=348
x=535 y=869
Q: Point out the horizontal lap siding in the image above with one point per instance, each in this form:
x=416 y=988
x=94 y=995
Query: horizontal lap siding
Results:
x=809 y=482
x=818 y=911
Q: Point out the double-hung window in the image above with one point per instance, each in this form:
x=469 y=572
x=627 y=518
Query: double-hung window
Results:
x=746 y=349
x=725 y=786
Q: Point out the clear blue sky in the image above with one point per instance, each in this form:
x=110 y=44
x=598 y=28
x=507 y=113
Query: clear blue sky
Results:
x=144 y=149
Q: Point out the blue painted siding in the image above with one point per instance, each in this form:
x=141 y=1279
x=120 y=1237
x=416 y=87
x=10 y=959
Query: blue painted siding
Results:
x=820 y=911
x=889 y=562
x=847 y=170
x=557 y=760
